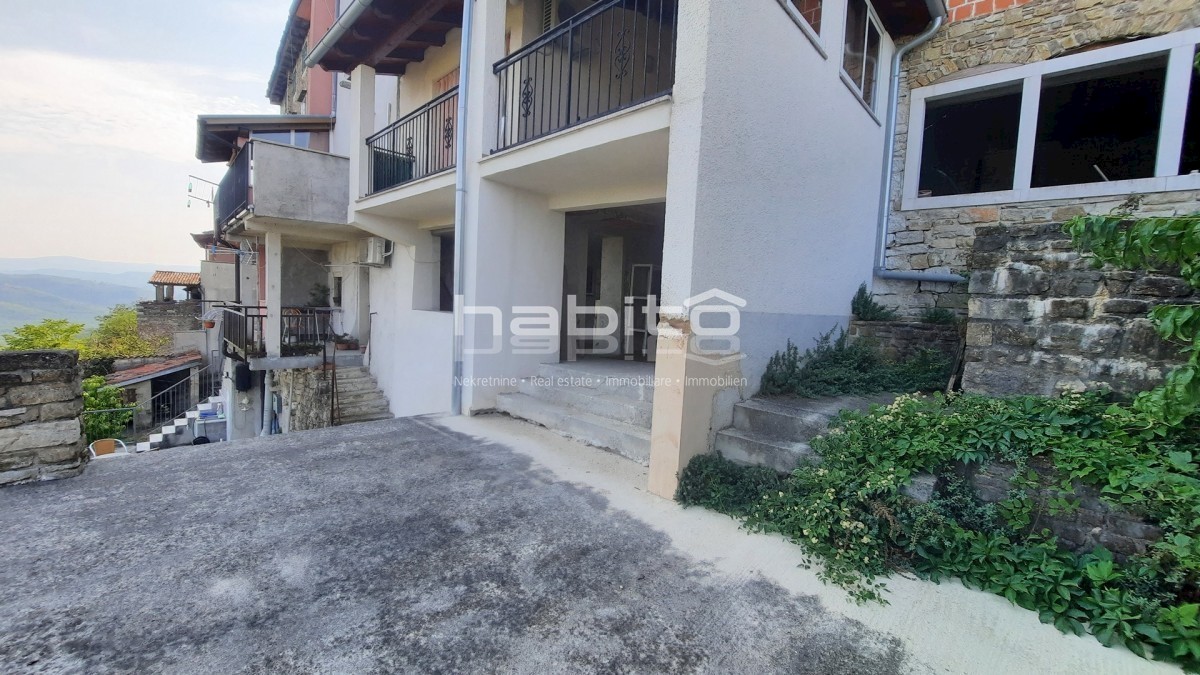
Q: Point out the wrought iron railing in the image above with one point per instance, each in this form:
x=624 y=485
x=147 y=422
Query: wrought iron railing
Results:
x=419 y=144
x=612 y=56
x=233 y=194
x=302 y=331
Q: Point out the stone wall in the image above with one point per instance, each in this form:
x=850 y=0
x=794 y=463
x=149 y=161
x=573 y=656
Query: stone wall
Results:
x=941 y=239
x=903 y=338
x=1041 y=318
x=160 y=320
x=306 y=398
x=41 y=398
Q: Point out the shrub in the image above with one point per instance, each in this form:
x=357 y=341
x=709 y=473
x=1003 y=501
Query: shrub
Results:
x=850 y=514
x=98 y=396
x=720 y=485
x=838 y=366
x=864 y=307
x=940 y=316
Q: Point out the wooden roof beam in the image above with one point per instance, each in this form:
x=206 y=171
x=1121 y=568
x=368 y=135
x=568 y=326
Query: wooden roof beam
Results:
x=424 y=14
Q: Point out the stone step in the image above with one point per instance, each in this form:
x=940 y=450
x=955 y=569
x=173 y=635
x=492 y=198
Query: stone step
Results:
x=144 y=446
x=634 y=382
x=611 y=406
x=356 y=386
x=346 y=358
x=797 y=419
x=626 y=440
x=357 y=419
x=365 y=409
x=753 y=449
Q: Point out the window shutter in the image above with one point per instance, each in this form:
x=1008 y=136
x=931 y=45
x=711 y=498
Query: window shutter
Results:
x=547 y=15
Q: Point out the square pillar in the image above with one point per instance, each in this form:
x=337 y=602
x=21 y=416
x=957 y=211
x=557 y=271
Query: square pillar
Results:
x=272 y=329
x=362 y=125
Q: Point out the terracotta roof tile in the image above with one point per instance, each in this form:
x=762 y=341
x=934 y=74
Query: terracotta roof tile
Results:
x=151 y=369
x=175 y=278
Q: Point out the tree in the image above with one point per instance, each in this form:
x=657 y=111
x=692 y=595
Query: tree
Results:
x=117 y=337
x=99 y=396
x=47 y=334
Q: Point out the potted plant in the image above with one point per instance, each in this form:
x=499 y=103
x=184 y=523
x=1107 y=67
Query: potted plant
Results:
x=345 y=342
x=209 y=323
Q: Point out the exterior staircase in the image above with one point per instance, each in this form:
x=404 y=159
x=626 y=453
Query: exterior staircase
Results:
x=607 y=404
x=359 y=398
x=775 y=432
x=173 y=431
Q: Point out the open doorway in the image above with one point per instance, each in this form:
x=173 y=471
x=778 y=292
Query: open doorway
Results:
x=612 y=274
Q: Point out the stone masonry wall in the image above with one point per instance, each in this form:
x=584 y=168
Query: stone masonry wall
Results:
x=41 y=398
x=941 y=239
x=306 y=395
x=1041 y=318
x=904 y=338
x=159 y=320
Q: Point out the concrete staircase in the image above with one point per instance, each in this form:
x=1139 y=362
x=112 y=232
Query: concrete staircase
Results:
x=605 y=404
x=775 y=432
x=173 y=432
x=359 y=396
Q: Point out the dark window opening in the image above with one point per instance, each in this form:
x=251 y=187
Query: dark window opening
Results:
x=336 y=295
x=1191 y=130
x=1100 y=125
x=970 y=144
x=446 y=273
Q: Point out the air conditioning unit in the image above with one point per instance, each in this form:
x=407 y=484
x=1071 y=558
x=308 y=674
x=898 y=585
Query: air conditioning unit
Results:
x=375 y=252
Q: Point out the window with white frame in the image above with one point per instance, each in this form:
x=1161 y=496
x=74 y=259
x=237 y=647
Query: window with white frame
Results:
x=1109 y=121
x=860 y=58
x=809 y=11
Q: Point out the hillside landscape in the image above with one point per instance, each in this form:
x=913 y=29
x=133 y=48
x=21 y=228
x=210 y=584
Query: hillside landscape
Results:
x=33 y=289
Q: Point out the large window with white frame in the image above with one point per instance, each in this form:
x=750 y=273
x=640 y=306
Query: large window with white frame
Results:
x=860 y=56
x=1110 y=121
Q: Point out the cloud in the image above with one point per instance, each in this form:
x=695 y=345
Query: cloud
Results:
x=68 y=104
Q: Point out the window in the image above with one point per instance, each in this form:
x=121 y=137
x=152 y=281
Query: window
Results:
x=860 y=59
x=446 y=273
x=970 y=144
x=1104 y=122
x=336 y=295
x=810 y=11
x=1100 y=124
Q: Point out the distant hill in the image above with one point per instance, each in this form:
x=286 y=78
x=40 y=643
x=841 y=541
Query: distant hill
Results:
x=29 y=298
x=132 y=275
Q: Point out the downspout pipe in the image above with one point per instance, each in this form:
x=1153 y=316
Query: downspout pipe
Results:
x=344 y=23
x=460 y=208
x=938 y=11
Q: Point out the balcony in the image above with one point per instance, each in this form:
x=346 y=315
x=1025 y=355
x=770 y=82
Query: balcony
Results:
x=613 y=56
x=270 y=184
x=423 y=143
x=303 y=331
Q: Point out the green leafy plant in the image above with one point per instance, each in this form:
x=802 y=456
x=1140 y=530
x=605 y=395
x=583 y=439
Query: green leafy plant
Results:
x=1154 y=244
x=865 y=308
x=46 y=334
x=940 y=316
x=97 y=396
x=838 y=365
x=855 y=523
x=717 y=484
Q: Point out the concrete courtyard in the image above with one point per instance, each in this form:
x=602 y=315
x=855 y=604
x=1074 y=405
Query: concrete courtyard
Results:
x=455 y=545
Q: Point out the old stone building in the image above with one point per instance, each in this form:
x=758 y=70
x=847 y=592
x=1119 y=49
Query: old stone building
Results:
x=1014 y=118
x=41 y=400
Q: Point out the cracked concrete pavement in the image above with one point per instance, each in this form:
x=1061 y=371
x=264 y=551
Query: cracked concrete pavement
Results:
x=454 y=545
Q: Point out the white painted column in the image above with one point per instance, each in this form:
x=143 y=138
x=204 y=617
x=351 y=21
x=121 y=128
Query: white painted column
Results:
x=274 y=261
x=362 y=125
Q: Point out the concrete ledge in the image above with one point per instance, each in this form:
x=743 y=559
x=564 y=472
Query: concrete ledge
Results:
x=285 y=362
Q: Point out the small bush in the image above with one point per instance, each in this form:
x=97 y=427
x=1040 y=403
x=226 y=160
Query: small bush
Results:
x=864 y=307
x=99 y=396
x=717 y=484
x=940 y=316
x=839 y=366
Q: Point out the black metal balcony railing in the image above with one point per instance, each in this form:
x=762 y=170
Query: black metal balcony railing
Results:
x=233 y=194
x=612 y=56
x=419 y=144
x=302 y=331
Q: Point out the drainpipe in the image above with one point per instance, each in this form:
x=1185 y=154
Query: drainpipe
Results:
x=336 y=31
x=460 y=208
x=938 y=11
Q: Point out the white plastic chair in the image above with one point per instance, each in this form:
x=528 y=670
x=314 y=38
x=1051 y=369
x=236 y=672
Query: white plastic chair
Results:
x=124 y=450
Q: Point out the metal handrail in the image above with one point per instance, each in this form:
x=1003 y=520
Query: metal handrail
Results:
x=553 y=34
x=233 y=193
x=413 y=115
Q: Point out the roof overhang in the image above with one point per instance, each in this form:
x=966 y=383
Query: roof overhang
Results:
x=907 y=17
x=217 y=135
x=390 y=34
x=290 y=46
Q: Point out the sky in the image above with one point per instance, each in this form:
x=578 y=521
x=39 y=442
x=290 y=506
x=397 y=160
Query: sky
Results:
x=98 y=105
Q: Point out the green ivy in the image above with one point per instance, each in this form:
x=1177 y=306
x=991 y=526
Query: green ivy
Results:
x=1151 y=244
x=852 y=517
